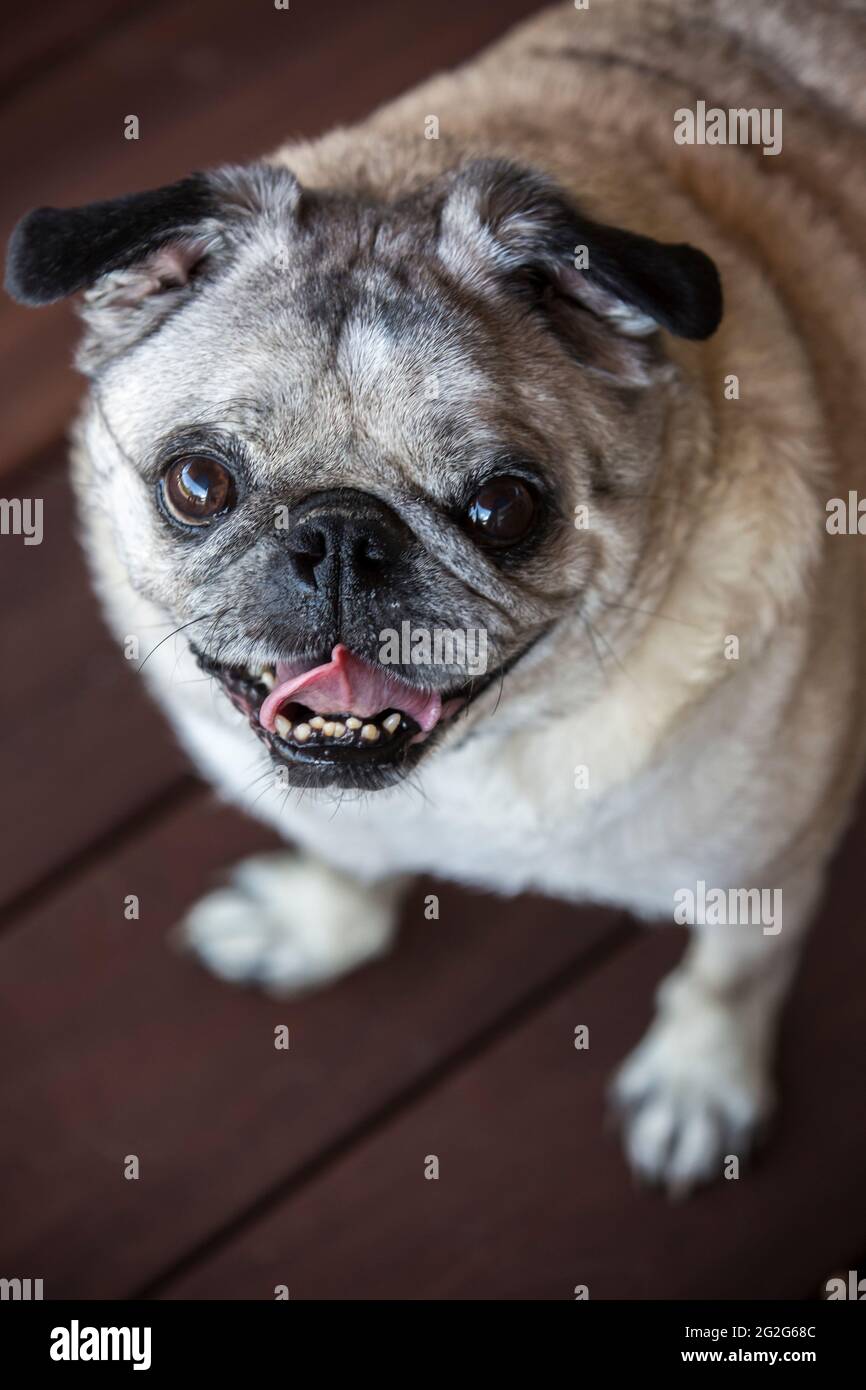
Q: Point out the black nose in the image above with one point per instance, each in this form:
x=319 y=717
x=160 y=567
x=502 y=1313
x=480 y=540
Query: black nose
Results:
x=343 y=543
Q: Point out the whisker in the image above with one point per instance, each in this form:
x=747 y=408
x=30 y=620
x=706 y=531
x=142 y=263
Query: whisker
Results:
x=648 y=613
x=174 y=633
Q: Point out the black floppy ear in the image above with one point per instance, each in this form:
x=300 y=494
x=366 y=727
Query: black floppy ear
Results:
x=517 y=223
x=135 y=257
x=55 y=252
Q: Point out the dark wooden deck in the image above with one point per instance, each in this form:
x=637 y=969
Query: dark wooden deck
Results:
x=261 y=1167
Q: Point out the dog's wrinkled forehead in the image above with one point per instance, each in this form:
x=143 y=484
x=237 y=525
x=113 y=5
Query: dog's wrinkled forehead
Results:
x=332 y=339
x=341 y=328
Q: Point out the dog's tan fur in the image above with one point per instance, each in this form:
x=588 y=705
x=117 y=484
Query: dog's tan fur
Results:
x=740 y=772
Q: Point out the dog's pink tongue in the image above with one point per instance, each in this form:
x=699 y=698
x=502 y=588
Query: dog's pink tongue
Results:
x=348 y=685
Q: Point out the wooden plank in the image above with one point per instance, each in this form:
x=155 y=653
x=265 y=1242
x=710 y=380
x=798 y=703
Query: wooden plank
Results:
x=114 y=1045
x=533 y=1196
x=81 y=745
x=34 y=39
x=207 y=89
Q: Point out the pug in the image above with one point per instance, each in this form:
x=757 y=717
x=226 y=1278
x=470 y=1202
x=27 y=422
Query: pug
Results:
x=462 y=372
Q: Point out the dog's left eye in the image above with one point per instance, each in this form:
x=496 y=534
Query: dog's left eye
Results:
x=502 y=512
x=197 y=489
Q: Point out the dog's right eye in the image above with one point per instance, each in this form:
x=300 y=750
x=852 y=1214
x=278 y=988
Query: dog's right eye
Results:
x=196 y=490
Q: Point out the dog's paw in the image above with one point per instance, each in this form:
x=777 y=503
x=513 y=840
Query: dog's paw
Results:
x=691 y=1095
x=288 y=924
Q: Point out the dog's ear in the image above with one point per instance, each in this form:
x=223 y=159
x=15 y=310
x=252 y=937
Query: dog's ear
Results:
x=54 y=252
x=137 y=256
x=501 y=225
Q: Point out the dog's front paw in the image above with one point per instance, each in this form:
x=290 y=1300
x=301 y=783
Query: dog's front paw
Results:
x=288 y=924
x=693 y=1093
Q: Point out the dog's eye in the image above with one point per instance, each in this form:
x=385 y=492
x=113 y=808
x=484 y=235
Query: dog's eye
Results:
x=502 y=512
x=197 y=489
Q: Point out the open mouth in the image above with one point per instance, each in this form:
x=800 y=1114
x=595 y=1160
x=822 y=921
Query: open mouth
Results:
x=346 y=722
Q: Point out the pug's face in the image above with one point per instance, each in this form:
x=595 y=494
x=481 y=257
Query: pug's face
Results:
x=343 y=443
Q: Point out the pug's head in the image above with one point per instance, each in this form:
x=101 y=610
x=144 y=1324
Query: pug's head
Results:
x=342 y=442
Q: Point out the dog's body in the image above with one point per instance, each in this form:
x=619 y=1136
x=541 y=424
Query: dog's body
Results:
x=633 y=749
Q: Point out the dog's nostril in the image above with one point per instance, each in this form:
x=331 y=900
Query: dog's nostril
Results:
x=308 y=549
x=312 y=547
x=370 y=555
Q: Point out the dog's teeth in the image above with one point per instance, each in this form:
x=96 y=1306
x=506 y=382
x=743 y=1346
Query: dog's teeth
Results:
x=392 y=723
x=317 y=722
x=268 y=679
x=328 y=729
x=303 y=732
x=353 y=723
x=283 y=725
x=339 y=729
x=370 y=733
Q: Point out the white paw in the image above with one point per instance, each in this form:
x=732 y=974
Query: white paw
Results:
x=693 y=1092
x=288 y=923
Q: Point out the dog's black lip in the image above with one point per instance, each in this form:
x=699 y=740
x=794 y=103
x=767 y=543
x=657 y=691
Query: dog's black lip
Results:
x=337 y=755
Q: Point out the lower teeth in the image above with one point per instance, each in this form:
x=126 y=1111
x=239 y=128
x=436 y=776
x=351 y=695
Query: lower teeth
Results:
x=337 y=728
